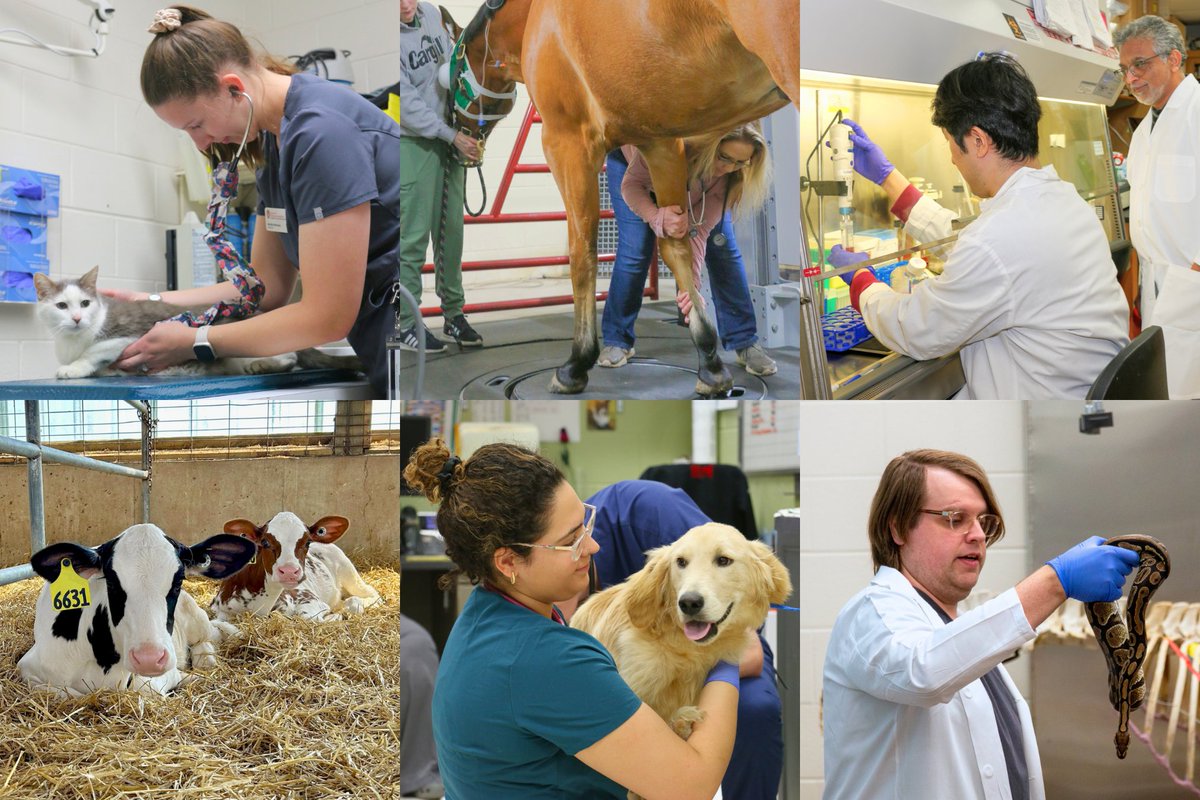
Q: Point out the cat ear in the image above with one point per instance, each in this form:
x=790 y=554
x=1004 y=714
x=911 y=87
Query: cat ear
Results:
x=46 y=288
x=88 y=281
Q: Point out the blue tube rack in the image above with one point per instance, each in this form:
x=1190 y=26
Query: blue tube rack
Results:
x=843 y=329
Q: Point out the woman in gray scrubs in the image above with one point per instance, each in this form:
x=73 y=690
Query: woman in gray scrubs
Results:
x=328 y=177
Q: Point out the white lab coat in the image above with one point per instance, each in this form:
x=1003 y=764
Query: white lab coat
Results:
x=905 y=712
x=1164 y=219
x=1029 y=293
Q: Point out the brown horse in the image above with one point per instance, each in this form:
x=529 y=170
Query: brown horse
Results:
x=641 y=72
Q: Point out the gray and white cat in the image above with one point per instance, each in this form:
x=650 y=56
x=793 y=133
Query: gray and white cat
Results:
x=90 y=331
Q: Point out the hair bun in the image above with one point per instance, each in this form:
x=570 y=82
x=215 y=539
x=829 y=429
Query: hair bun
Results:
x=166 y=20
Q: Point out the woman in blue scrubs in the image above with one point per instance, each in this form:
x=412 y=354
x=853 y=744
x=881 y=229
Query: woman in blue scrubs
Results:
x=525 y=706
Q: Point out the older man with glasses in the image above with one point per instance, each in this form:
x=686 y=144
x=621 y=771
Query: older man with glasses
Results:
x=916 y=703
x=1164 y=179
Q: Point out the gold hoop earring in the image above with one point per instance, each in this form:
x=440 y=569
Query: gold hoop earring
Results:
x=513 y=579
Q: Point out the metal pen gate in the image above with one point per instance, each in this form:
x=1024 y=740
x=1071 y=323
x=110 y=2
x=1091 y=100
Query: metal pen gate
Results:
x=35 y=452
x=606 y=240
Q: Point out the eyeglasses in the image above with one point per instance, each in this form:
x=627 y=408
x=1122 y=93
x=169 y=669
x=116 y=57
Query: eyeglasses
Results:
x=733 y=162
x=575 y=548
x=1140 y=65
x=961 y=521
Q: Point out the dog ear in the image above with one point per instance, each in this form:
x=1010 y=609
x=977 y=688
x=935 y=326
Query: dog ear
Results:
x=648 y=598
x=775 y=574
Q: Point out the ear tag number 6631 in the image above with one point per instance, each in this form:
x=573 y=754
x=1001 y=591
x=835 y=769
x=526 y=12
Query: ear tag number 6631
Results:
x=69 y=591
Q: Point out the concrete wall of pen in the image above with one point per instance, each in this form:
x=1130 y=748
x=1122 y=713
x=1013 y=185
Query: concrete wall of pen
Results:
x=192 y=500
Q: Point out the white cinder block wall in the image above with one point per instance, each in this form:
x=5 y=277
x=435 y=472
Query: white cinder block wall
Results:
x=84 y=119
x=844 y=448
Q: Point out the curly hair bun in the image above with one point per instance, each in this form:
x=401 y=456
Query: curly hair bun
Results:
x=423 y=468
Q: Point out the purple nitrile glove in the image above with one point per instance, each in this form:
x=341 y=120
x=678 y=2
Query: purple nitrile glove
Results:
x=724 y=671
x=841 y=257
x=30 y=190
x=869 y=160
x=1092 y=571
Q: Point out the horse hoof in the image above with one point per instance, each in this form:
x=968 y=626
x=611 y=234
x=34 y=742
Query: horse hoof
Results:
x=561 y=382
x=714 y=384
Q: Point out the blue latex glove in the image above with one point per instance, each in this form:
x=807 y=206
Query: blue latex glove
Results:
x=841 y=257
x=724 y=671
x=1092 y=571
x=869 y=160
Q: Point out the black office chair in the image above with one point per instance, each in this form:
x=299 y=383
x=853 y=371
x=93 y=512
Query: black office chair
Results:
x=720 y=490
x=1138 y=372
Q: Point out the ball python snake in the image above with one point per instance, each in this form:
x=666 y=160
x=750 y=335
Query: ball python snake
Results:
x=1123 y=641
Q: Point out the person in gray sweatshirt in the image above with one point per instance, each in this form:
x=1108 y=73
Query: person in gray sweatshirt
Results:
x=424 y=154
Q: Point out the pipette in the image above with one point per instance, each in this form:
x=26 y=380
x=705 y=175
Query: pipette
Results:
x=843 y=170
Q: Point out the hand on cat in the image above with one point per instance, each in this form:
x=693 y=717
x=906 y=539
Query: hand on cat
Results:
x=124 y=294
x=164 y=345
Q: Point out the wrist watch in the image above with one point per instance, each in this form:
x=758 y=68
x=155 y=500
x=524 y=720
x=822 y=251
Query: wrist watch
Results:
x=203 y=350
x=156 y=297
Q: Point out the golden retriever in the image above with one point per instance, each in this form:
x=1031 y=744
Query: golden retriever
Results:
x=694 y=603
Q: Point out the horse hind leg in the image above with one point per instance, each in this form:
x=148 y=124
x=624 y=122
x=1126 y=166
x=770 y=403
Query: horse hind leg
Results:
x=669 y=174
x=712 y=376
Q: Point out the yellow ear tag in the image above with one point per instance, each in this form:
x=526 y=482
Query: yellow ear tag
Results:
x=69 y=591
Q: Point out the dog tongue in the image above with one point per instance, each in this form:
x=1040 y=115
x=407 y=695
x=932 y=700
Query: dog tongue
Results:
x=696 y=630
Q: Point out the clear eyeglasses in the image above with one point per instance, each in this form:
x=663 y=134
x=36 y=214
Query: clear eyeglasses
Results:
x=1140 y=65
x=733 y=162
x=961 y=521
x=575 y=548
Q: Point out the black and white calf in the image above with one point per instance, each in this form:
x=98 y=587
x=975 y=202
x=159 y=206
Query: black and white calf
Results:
x=141 y=629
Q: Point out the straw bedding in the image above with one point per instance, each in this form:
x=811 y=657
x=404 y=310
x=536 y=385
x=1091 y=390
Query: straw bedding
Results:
x=294 y=709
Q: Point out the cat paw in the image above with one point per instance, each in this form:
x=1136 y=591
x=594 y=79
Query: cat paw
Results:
x=75 y=369
x=271 y=365
x=684 y=719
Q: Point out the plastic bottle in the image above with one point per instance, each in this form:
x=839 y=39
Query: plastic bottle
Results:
x=915 y=272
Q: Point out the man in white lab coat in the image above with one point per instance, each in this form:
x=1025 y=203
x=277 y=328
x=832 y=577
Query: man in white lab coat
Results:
x=1029 y=294
x=916 y=704
x=1164 y=192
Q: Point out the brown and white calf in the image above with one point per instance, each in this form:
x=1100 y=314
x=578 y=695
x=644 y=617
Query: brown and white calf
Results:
x=299 y=572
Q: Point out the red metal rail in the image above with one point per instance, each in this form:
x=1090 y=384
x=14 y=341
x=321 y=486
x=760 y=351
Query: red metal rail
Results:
x=497 y=215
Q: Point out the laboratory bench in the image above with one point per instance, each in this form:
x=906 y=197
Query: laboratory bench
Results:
x=883 y=375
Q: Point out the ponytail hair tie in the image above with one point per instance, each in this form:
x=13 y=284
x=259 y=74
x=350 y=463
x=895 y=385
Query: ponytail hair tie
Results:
x=166 y=20
x=444 y=477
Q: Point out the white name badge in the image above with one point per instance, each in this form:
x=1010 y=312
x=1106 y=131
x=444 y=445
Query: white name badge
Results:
x=276 y=220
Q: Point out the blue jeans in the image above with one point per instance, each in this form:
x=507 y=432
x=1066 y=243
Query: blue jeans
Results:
x=635 y=247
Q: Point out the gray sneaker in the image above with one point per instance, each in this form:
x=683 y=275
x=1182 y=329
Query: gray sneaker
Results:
x=756 y=361
x=433 y=791
x=614 y=356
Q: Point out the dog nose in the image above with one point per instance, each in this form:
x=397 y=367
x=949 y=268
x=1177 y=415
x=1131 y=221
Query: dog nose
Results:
x=691 y=603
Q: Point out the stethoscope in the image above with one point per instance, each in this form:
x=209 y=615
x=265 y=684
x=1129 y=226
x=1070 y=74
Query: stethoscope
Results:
x=719 y=239
x=245 y=133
